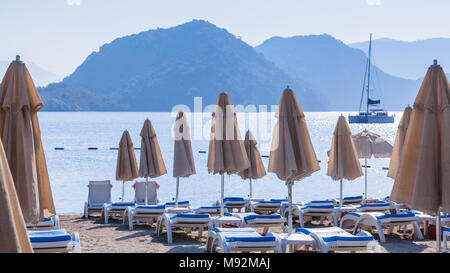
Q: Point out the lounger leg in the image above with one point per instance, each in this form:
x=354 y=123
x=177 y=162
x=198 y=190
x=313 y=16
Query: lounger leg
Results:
x=200 y=232
x=301 y=219
x=380 y=232
x=417 y=233
x=169 y=232
x=130 y=220
x=335 y=220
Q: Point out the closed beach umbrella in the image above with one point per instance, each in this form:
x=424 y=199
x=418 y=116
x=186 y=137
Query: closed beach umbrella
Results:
x=183 y=159
x=369 y=144
x=399 y=141
x=423 y=177
x=151 y=163
x=13 y=231
x=226 y=152
x=127 y=168
x=292 y=155
x=21 y=137
x=343 y=159
x=256 y=169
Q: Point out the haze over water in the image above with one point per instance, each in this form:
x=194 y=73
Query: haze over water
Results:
x=71 y=169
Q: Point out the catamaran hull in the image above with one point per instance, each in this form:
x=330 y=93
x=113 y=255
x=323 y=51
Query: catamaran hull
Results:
x=370 y=119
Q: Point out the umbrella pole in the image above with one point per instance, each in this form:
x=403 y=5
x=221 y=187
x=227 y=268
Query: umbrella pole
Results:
x=146 y=191
x=290 y=207
x=123 y=190
x=365 y=177
x=250 y=188
x=176 y=196
x=438 y=232
x=222 y=195
x=341 y=198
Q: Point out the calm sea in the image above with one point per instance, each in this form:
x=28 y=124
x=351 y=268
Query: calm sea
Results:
x=71 y=169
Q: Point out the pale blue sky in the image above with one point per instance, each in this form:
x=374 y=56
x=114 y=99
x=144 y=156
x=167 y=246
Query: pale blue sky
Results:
x=59 y=34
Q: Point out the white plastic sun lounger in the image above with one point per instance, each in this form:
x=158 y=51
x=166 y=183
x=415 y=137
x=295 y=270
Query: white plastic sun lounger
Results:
x=139 y=193
x=234 y=203
x=254 y=220
x=446 y=235
x=99 y=194
x=379 y=220
x=331 y=239
x=320 y=209
x=142 y=214
x=115 y=210
x=57 y=240
x=45 y=224
x=240 y=239
x=271 y=206
x=186 y=221
x=352 y=200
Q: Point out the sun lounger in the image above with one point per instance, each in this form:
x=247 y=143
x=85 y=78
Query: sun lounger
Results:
x=99 y=194
x=185 y=221
x=251 y=219
x=234 y=203
x=271 y=206
x=331 y=239
x=142 y=214
x=321 y=209
x=57 y=240
x=115 y=210
x=352 y=200
x=211 y=210
x=45 y=224
x=446 y=235
x=379 y=220
x=139 y=193
x=240 y=239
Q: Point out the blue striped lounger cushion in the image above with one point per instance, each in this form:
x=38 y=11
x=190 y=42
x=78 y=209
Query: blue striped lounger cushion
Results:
x=57 y=238
x=263 y=219
x=190 y=218
x=244 y=235
x=340 y=238
x=270 y=204
x=234 y=200
x=150 y=209
x=121 y=205
x=350 y=199
x=180 y=204
x=46 y=222
x=317 y=208
x=381 y=206
x=399 y=217
x=278 y=200
x=211 y=209
x=321 y=203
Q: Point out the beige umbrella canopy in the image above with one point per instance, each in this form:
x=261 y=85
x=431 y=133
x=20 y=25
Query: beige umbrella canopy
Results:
x=183 y=159
x=343 y=159
x=256 y=169
x=292 y=155
x=399 y=141
x=151 y=162
x=21 y=137
x=423 y=176
x=13 y=231
x=127 y=168
x=226 y=152
x=369 y=144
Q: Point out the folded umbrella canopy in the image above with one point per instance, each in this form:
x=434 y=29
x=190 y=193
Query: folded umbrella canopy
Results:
x=343 y=159
x=183 y=159
x=127 y=168
x=256 y=169
x=13 y=231
x=399 y=141
x=423 y=177
x=21 y=137
x=369 y=144
x=226 y=152
x=292 y=155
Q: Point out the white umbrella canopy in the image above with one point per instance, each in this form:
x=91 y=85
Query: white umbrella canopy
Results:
x=423 y=177
x=226 y=152
x=369 y=144
x=292 y=156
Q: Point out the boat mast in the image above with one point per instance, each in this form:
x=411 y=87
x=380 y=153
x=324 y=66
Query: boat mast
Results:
x=368 y=74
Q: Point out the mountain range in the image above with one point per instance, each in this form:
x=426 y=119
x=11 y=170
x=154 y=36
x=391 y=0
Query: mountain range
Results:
x=157 y=69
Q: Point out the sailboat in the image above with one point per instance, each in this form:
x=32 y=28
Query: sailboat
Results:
x=373 y=113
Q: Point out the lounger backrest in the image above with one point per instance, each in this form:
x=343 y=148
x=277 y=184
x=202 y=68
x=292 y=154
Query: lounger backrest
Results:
x=99 y=192
x=139 y=192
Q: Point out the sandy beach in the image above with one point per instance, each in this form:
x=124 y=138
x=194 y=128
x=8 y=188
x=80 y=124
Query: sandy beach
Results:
x=97 y=237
